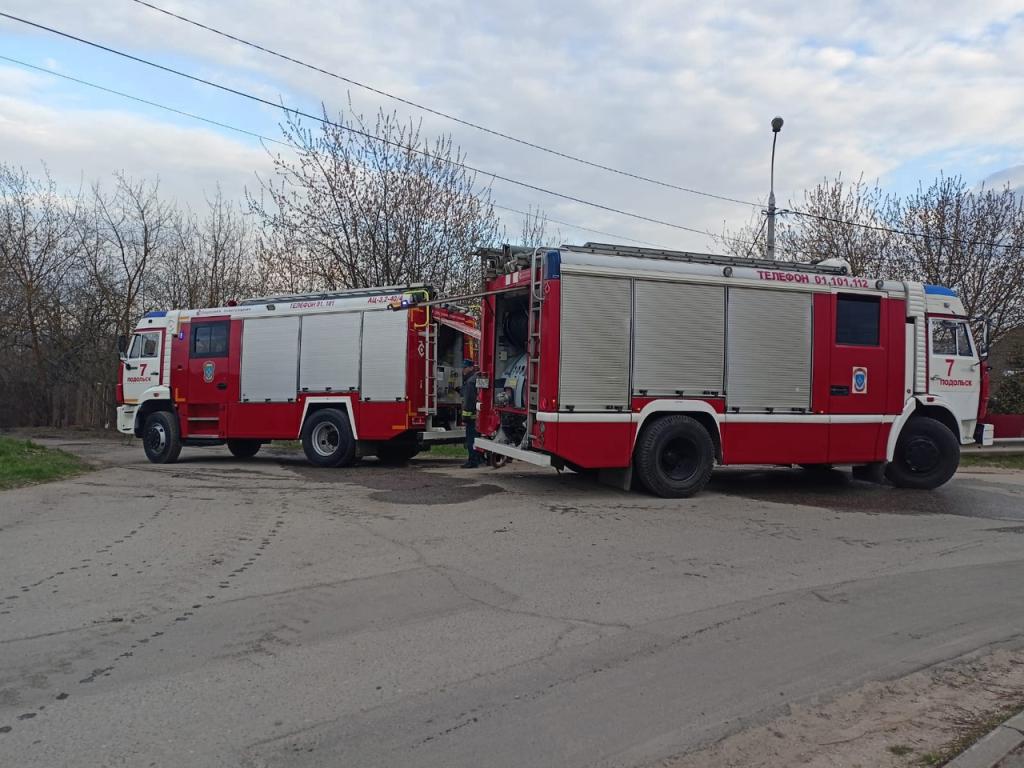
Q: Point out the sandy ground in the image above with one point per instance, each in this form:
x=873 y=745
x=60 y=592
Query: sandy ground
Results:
x=880 y=725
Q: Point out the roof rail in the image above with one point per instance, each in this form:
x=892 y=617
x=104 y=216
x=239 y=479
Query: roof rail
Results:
x=348 y=293
x=606 y=249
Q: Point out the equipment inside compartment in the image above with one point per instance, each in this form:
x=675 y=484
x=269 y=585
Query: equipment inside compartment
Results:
x=450 y=354
x=512 y=327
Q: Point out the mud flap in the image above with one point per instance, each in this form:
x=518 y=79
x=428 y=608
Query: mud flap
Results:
x=621 y=478
x=870 y=473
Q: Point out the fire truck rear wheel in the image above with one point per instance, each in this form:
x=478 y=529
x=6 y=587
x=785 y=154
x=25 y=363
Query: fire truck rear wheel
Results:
x=327 y=439
x=674 y=456
x=161 y=439
x=927 y=455
x=244 y=449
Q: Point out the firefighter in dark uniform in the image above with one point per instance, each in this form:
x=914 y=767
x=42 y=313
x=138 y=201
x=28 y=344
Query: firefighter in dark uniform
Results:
x=469 y=411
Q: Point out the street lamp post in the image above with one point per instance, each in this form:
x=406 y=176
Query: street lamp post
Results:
x=776 y=127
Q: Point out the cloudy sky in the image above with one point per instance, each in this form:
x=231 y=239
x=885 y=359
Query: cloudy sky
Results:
x=675 y=90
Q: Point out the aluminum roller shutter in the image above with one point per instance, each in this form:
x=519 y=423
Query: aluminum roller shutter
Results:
x=769 y=343
x=270 y=359
x=385 y=337
x=594 y=364
x=330 y=352
x=678 y=339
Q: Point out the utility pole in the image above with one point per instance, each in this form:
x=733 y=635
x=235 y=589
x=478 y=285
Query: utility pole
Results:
x=776 y=127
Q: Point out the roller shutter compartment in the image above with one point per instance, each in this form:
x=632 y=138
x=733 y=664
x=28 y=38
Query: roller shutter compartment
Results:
x=385 y=337
x=678 y=339
x=270 y=359
x=595 y=342
x=769 y=343
x=330 y=352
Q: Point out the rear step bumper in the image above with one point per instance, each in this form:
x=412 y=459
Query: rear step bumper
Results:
x=532 y=457
x=442 y=436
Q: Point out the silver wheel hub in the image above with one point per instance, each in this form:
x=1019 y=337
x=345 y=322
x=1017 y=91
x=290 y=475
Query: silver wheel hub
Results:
x=325 y=439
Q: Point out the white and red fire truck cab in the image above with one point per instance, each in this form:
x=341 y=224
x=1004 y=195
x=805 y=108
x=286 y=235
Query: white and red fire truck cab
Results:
x=337 y=370
x=654 y=365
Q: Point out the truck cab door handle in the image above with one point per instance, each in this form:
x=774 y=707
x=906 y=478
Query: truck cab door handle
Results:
x=839 y=389
x=222 y=385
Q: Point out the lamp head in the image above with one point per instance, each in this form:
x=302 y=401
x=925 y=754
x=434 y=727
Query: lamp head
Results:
x=776 y=124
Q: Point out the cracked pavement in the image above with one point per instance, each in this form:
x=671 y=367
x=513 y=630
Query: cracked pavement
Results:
x=265 y=613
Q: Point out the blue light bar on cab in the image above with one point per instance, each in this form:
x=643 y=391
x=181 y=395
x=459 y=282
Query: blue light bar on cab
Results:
x=940 y=290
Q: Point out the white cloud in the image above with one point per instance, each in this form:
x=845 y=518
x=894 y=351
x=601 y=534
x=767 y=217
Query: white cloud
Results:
x=1012 y=177
x=681 y=91
x=83 y=145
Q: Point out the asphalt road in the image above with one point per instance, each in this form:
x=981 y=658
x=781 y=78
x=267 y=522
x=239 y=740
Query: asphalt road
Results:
x=219 y=612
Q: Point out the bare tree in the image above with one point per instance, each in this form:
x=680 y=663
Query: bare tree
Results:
x=844 y=220
x=969 y=239
x=127 y=230
x=207 y=260
x=972 y=240
x=36 y=249
x=374 y=204
x=533 y=231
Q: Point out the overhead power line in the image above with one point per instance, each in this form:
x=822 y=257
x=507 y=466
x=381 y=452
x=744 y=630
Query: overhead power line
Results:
x=262 y=137
x=141 y=100
x=439 y=113
x=895 y=230
x=545 y=217
x=356 y=131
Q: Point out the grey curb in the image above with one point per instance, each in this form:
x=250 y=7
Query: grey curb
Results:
x=993 y=747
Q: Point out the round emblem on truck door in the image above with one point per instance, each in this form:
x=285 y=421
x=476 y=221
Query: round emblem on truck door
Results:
x=208 y=370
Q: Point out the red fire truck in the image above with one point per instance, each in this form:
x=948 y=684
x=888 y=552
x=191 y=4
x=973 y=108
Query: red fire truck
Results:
x=336 y=370
x=653 y=365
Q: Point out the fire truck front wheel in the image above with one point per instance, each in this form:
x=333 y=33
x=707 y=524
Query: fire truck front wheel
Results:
x=160 y=437
x=927 y=454
x=674 y=456
x=327 y=439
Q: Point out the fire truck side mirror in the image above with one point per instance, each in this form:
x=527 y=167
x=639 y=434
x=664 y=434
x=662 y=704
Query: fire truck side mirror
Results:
x=986 y=329
x=122 y=345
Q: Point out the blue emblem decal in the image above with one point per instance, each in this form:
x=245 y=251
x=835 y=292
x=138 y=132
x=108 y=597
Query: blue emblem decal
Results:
x=208 y=370
x=860 y=380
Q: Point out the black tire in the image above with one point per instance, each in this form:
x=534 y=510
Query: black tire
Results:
x=393 y=453
x=244 y=449
x=927 y=455
x=674 y=457
x=327 y=439
x=161 y=439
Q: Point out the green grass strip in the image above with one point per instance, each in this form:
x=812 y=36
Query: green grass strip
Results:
x=999 y=460
x=22 y=462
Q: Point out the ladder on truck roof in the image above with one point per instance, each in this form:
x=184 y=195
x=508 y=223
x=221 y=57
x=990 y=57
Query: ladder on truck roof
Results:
x=533 y=343
x=347 y=293
x=605 y=249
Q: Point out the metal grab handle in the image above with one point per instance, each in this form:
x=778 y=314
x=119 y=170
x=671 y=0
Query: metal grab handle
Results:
x=222 y=385
x=535 y=282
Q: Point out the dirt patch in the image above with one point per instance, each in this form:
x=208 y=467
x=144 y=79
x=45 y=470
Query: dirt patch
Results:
x=923 y=719
x=403 y=485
